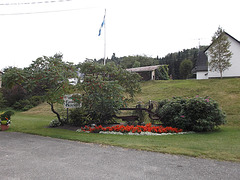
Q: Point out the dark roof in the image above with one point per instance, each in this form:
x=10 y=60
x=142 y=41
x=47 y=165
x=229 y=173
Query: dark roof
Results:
x=202 y=63
x=202 y=60
x=227 y=35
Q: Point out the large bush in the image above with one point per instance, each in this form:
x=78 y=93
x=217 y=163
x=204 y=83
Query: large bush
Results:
x=105 y=89
x=162 y=73
x=2 y=101
x=79 y=117
x=192 y=114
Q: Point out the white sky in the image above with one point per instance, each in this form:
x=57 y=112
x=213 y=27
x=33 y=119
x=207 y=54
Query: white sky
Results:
x=133 y=27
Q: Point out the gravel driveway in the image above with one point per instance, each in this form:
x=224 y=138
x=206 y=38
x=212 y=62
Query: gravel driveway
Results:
x=25 y=156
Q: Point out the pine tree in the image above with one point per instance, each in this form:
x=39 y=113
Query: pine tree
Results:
x=219 y=52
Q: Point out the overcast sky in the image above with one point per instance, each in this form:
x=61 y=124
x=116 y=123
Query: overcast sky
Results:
x=33 y=28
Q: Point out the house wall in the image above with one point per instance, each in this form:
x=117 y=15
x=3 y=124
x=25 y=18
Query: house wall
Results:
x=232 y=71
x=202 y=75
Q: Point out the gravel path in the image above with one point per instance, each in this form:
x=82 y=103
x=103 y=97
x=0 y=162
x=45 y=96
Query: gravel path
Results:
x=25 y=156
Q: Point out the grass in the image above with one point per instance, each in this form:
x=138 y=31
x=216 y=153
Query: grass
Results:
x=222 y=144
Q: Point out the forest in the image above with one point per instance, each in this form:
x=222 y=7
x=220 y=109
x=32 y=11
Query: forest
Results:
x=173 y=60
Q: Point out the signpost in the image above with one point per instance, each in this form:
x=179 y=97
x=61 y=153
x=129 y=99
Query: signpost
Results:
x=70 y=103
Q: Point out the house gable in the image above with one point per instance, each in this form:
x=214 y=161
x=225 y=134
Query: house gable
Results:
x=202 y=70
x=232 y=71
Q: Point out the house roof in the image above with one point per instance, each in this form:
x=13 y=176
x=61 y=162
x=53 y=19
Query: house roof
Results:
x=202 y=63
x=202 y=60
x=227 y=35
x=142 y=69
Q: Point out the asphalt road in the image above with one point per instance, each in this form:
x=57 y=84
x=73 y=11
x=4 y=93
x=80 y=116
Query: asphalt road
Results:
x=25 y=156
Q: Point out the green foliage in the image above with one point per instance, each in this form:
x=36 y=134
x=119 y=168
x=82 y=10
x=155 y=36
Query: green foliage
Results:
x=22 y=105
x=5 y=116
x=36 y=100
x=141 y=114
x=162 y=73
x=102 y=99
x=111 y=72
x=185 y=68
x=55 y=123
x=2 y=101
x=137 y=61
x=26 y=104
x=106 y=89
x=192 y=114
x=173 y=60
x=80 y=117
x=220 y=54
x=14 y=94
x=46 y=76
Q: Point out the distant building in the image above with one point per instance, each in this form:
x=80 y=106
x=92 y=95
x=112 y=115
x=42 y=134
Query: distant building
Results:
x=202 y=70
x=147 y=72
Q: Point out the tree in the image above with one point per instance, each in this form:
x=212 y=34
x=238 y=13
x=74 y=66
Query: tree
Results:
x=48 y=76
x=185 y=68
x=106 y=89
x=162 y=73
x=220 y=54
x=136 y=64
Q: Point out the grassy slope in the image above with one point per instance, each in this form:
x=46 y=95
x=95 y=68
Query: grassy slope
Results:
x=222 y=144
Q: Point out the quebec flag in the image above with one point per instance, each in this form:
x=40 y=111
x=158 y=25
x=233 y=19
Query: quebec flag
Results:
x=102 y=24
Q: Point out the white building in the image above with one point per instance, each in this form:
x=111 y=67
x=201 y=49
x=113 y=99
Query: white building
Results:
x=202 y=70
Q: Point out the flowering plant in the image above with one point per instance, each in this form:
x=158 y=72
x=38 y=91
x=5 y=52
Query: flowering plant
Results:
x=5 y=117
x=131 y=129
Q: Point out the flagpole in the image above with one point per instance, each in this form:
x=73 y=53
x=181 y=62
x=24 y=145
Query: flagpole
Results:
x=104 y=60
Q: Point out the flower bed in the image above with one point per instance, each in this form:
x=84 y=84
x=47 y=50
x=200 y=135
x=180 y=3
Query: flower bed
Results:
x=132 y=130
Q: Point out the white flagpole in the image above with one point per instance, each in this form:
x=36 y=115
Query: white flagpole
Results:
x=104 y=60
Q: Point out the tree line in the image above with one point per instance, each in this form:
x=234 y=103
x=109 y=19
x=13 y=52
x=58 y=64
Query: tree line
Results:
x=173 y=60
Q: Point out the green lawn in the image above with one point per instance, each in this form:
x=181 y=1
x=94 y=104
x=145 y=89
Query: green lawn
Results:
x=222 y=144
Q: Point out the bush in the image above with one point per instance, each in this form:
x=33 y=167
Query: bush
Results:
x=36 y=100
x=162 y=73
x=204 y=113
x=54 y=123
x=26 y=104
x=6 y=115
x=102 y=99
x=192 y=114
x=79 y=117
x=2 y=101
x=22 y=105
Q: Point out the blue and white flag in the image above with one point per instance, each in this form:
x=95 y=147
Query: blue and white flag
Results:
x=102 y=24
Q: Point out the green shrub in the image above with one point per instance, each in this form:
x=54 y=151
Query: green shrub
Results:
x=2 y=101
x=54 y=123
x=204 y=114
x=79 y=117
x=26 y=104
x=192 y=114
x=6 y=115
x=162 y=73
x=171 y=112
x=19 y=105
x=102 y=99
x=36 y=100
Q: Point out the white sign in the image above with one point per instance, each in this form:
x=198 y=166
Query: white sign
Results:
x=69 y=101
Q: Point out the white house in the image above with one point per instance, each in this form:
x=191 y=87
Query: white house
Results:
x=202 y=70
